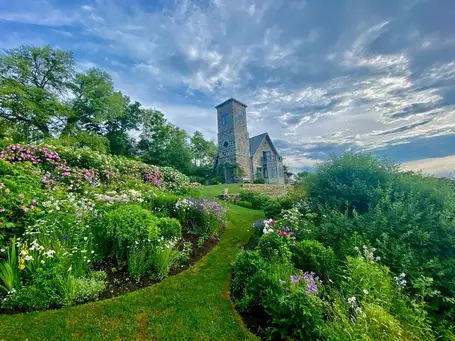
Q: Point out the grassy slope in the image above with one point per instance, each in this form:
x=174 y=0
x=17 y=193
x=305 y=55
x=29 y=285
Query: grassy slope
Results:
x=213 y=190
x=193 y=305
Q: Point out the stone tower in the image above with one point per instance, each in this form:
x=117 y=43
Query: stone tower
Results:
x=233 y=138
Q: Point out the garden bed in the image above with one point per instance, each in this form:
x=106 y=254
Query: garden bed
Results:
x=119 y=282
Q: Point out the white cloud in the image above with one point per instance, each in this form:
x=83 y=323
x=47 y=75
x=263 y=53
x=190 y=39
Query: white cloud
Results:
x=444 y=166
x=341 y=79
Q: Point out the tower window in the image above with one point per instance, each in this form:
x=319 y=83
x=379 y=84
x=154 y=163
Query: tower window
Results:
x=223 y=119
x=225 y=144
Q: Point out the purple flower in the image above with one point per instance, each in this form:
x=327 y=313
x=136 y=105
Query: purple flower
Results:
x=64 y=236
x=294 y=279
x=282 y=282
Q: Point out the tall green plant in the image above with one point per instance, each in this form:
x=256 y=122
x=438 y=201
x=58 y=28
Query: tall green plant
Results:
x=9 y=269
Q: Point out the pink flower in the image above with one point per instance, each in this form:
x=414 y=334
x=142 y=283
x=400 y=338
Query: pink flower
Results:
x=7 y=191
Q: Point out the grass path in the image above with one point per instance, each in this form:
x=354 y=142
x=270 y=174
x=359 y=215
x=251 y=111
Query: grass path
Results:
x=193 y=305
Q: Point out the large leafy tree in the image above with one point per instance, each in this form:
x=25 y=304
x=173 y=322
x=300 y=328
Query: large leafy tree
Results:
x=33 y=81
x=94 y=104
x=163 y=144
x=203 y=151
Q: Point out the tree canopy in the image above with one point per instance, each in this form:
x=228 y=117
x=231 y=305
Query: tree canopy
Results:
x=44 y=97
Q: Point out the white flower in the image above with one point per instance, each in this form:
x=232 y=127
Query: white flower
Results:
x=378 y=258
x=42 y=262
x=2 y=250
x=358 y=310
x=28 y=258
x=49 y=253
x=365 y=291
x=352 y=300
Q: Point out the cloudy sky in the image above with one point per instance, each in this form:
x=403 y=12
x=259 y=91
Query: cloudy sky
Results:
x=321 y=76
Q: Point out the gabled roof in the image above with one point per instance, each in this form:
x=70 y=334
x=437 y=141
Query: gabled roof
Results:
x=256 y=141
x=230 y=100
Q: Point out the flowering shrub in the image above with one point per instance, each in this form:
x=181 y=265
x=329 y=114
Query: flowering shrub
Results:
x=108 y=169
x=20 y=197
x=175 y=181
x=275 y=245
x=34 y=154
x=202 y=217
x=303 y=225
x=287 y=297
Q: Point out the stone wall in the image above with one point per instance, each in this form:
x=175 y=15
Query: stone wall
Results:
x=256 y=162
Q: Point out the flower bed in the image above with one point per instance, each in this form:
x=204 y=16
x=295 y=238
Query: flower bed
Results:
x=77 y=224
x=288 y=286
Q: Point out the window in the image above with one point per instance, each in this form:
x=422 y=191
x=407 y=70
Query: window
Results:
x=258 y=170
x=280 y=169
x=273 y=172
x=223 y=119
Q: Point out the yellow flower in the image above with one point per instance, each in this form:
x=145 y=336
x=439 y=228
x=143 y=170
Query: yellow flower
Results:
x=21 y=263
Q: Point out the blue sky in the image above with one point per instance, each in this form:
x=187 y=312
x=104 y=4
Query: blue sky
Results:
x=321 y=76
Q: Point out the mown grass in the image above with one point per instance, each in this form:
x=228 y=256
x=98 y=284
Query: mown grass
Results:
x=213 y=190
x=193 y=305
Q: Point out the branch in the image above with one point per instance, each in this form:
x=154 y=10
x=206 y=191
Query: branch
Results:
x=13 y=117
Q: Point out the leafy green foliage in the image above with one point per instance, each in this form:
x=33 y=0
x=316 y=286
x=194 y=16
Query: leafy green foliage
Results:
x=9 y=269
x=311 y=255
x=350 y=182
x=272 y=246
x=246 y=204
x=127 y=225
x=409 y=219
x=170 y=228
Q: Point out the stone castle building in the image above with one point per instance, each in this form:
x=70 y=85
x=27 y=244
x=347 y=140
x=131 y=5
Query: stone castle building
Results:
x=257 y=157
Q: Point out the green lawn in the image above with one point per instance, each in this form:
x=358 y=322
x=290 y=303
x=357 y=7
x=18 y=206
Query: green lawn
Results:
x=193 y=305
x=213 y=190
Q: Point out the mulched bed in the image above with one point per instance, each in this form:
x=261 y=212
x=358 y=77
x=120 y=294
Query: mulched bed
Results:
x=119 y=282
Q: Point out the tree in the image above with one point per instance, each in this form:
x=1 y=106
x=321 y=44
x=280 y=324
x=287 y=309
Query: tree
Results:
x=32 y=82
x=120 y=142
x=203 y=151
x=95 y=104
x=163 y=144
x=287 y=174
